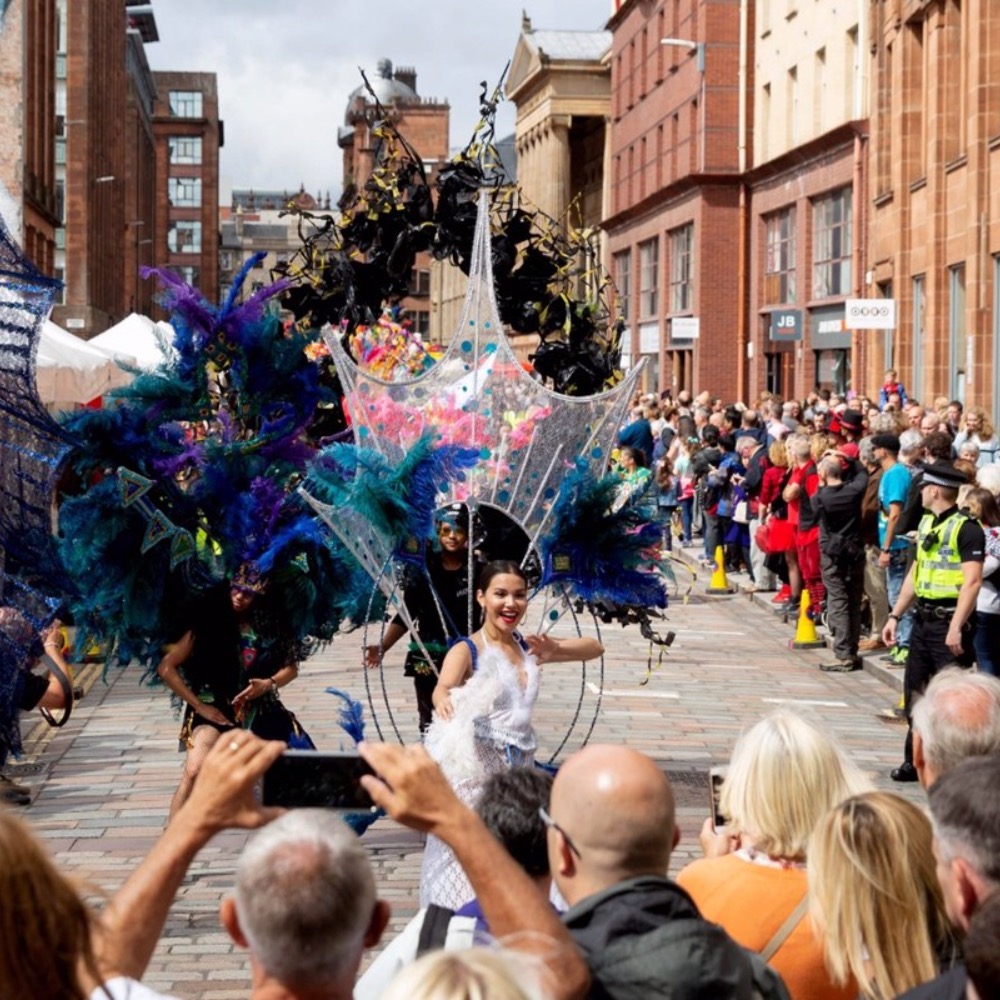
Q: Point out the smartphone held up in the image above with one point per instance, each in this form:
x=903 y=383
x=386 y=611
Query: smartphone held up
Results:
x=302 y=779
x=716 y=775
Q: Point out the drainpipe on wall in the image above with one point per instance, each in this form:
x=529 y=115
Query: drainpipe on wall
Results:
x=859 y=352
x=743 y=218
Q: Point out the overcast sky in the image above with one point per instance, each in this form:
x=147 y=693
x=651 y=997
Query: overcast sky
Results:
x=286 y=68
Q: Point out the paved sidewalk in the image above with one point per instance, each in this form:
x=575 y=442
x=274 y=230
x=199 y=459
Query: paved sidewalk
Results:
x=103 y=783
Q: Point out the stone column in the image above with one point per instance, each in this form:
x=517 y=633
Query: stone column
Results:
x=557 y=167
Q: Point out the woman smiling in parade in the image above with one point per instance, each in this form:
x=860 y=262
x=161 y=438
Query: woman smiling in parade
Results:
x=484 y=700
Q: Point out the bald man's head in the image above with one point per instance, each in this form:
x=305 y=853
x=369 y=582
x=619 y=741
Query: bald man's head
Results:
x=617 y=808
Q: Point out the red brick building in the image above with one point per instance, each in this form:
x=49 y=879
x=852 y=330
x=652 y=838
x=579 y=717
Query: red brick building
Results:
x=28 y=201
x=673 y=214
x=805 y=259
x=94 y=129
x=141 y=235
x=189 y=135
x=424 y=124
x=935 y=178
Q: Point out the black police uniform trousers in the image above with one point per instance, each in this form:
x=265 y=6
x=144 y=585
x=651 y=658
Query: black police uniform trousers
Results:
x=928 y=655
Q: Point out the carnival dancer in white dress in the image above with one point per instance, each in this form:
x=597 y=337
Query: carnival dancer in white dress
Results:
x=483 y=703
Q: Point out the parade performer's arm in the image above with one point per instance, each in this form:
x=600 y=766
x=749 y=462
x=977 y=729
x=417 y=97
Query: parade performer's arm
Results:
x=222 y=798
x=547 y=649
x=257 y=687
x=907 y=594
x=412 y=790
x=972 y=580
x=55 y=696
x=455 y=672
x=170 y=675
x=393 y=633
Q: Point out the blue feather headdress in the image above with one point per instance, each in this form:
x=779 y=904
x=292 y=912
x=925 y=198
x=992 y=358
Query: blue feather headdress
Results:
x=192 y=474
x=597 y=552
x=396 y=501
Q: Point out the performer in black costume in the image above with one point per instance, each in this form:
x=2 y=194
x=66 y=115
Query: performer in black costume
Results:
x=228 y=668
x=449 y=578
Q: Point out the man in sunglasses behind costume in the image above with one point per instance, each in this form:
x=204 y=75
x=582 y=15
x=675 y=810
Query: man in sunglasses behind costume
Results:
x=943 y=584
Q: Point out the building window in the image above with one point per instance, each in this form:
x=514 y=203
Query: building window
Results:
x=832 y=243
x=623 y=279
x=189 y=273
x=186 y=103
x=184 y=236
x=422 y=322
x=420 y=282
x=833 y=370
x=681 y=246
x=779 y=268
x=185 y=149
x=185 y=192
x=649 y=263
x=958 y=341
x=917 y=379
x=792 y=108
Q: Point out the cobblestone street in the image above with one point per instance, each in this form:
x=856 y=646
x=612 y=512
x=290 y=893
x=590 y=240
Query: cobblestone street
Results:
x=103 y=784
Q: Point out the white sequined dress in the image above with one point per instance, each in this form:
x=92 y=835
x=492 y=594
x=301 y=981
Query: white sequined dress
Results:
x=491 y=730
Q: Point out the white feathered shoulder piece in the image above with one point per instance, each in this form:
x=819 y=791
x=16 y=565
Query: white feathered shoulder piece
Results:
x=452 y=742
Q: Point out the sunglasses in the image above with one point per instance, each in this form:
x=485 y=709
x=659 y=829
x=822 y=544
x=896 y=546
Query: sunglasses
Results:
x=551 y=824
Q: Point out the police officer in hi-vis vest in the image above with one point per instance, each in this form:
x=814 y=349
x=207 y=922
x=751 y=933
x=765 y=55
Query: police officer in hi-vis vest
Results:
x=944 y=582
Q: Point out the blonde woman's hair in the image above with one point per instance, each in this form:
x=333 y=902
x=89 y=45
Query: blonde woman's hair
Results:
x=778 y=454
x=875 y=899
x=819 y=445
x=784 y=775
x=45 y=927
x=985 y=431
x=469 y=974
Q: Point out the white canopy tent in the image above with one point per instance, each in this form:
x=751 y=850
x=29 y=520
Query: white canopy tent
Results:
x=137 y=341
x=70 y=370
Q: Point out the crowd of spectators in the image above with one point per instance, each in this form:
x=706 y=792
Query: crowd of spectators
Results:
x=826 y=497
x=816 y=887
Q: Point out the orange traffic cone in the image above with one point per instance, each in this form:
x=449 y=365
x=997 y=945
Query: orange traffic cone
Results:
x=805 y=630
x=719 y=584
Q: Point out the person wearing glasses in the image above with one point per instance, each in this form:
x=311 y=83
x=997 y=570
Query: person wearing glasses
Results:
x=438 y=604
x=943 y=584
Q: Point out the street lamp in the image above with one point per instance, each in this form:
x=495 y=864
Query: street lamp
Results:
x=698 y=48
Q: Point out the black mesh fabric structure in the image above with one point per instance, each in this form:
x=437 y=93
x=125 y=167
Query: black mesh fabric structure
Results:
x=32 y=447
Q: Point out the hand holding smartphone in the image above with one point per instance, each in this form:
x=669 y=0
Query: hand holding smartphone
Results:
x=302 y=779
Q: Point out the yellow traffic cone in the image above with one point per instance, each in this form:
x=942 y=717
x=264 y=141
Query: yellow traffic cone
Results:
x=719 y=584
x=805 y=629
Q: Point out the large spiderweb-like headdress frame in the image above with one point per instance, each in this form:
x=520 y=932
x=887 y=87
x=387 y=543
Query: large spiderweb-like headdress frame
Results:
x=479 y=397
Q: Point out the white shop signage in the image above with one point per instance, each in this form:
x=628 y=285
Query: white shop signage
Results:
x=685 y=327
x=870 y=314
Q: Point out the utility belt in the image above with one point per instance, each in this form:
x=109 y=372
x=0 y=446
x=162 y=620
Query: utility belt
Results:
x=927 y=611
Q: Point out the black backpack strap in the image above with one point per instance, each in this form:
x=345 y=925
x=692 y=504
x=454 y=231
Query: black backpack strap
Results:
x=434 y=929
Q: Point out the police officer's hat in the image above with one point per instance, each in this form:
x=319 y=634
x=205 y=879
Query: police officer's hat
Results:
x=943 y=473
